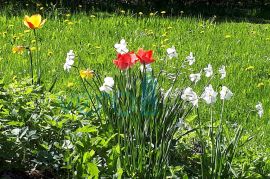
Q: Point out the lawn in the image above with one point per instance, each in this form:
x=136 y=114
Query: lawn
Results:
x=242 y=47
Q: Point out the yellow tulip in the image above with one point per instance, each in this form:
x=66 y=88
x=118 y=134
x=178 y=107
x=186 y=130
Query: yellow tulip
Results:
x=34 y=22
x=86 y=73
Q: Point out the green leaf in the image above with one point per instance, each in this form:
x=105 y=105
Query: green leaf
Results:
x=93 y=170
x=88 y=129
x=16 y=123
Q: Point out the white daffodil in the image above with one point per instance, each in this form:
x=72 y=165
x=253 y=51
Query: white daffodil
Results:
x=195 y=77
x=225 y=93
x=147 y=67
x=69 y=60
x=108 y=81
x=222 y=71
x=209 y=95
x=259 y=109
x=121 y=47
x=190 y=96
x=190 y=58
x=171 y=52
x=208 y=70
x=107 y=85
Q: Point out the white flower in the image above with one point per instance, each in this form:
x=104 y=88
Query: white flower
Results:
x=108 y=81
x=107 y=85
x=172 y=52
x=190 y=58
x=69 y=60
x=259 y=108
x=70 y=55
x=225 y=93
x=121 y=47
x=147 y=68
x=195 y=77
x=190 y=96
x=208 y=70
x=222 y=71
x=209 y=95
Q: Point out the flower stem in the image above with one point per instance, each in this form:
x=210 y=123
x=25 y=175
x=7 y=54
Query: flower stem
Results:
x=31 y=65
x=38 y=60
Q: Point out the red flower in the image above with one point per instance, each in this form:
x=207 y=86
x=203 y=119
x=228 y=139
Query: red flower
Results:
x=145 y=57
x=125 y=61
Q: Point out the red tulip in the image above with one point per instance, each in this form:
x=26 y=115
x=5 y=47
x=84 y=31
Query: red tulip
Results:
x=125 y=61
x=145 y=57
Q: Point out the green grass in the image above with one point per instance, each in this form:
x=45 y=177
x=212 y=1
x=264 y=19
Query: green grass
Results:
x=236 y=45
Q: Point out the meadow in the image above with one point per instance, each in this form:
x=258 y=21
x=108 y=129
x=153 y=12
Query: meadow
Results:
x=241 y=46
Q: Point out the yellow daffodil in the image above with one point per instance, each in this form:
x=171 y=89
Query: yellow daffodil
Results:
x=86 y=73
x=18 y=49
x=34 y=22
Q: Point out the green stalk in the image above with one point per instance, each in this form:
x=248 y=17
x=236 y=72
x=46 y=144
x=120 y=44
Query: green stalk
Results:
x=38 y=60
x=31 y=65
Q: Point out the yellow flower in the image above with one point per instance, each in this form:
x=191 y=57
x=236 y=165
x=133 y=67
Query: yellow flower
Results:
x=70 y=23
x=70 y=84
x=50 y=53
x=260 y=85
x=33 y=48
x=163 y=12
x=249 y=68
x=34 y=22
x=151 y=14
x=18 y=49
x=86 y=73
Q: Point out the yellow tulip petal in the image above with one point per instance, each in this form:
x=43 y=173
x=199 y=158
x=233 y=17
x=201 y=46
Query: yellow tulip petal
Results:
x=36 y=20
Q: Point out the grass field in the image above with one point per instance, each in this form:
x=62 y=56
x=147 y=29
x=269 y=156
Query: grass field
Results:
x=242 y=47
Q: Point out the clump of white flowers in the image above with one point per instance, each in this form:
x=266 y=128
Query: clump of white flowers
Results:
x=107 y=85
x=121 y=47
x=171 y=52
x=259 y=109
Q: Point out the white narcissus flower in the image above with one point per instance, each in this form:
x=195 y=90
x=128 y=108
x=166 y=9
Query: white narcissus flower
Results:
x=148 y=68
x=190 y=58
x=121 y=47
x=208 y=70
x=209 y=95
x=222 y=71
x=225 y=93
x=171 y=52
x=190 y=96
x=107 y=85
x=195 y=77
x=259 y=109
x=69 y=60
x=108 y=81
